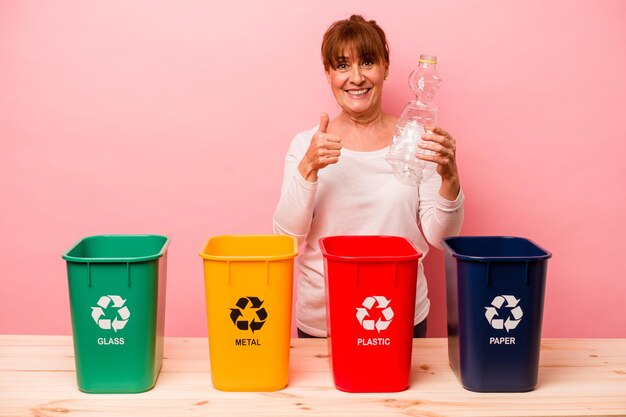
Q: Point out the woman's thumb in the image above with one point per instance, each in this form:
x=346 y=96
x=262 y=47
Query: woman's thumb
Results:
x=323 y=123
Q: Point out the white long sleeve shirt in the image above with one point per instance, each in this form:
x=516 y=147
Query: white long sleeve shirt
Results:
x=358 y=195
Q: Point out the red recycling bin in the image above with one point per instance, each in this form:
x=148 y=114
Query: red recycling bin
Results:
x=370 y=291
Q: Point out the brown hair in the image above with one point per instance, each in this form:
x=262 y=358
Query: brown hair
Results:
x=365 y=38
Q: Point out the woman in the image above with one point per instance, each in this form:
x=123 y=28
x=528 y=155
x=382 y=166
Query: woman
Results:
x=337 y=182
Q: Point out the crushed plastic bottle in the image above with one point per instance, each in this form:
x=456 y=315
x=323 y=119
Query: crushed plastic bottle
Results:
x=418 y=117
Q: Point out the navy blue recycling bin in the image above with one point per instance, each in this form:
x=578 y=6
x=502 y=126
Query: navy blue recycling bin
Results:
x=495 y=289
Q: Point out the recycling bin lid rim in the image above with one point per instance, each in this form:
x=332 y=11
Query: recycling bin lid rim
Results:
x=370 y=258
x=247 y=258
x=250 y=258
x=547 y=254
x=363 y=259
x=121 y=259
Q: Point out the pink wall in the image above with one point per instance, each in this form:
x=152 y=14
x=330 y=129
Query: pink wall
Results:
x=173 y=118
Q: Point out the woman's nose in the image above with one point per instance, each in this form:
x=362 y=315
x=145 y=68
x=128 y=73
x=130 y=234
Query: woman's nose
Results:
x=356 y=75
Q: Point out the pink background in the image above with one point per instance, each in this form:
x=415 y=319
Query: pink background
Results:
x=174 y=118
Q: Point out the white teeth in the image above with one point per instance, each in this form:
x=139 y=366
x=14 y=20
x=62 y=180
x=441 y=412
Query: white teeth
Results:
x=358 y=92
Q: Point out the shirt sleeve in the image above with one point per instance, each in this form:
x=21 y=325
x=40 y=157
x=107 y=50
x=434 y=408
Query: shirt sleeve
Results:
x=294 y=211
x=439 y=217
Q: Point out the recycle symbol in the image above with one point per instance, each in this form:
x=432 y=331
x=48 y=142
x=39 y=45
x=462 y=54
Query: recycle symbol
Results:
x=494 y=310
x=99 y=316
x=237 y=316
x=386 y=314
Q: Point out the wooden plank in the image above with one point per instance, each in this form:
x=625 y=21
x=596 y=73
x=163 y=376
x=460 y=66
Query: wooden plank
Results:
x=577 y=377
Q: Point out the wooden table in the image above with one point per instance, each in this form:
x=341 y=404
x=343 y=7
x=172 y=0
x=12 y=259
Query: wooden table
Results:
x=578 y=377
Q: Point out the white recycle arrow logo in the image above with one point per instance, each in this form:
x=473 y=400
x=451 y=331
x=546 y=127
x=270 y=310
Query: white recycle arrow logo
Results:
x=97 y=313
x=363 y=312
x=493 y=316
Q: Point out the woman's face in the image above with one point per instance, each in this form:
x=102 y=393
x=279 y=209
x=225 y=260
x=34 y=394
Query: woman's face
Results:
x=357 y=84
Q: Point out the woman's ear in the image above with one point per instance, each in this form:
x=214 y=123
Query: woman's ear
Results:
x=327 y=72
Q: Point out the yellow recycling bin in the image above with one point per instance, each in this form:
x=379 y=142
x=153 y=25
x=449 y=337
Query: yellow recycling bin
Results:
x=248 y=282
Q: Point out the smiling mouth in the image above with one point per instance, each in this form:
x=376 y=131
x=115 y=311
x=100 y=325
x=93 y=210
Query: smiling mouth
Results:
x=358 y=93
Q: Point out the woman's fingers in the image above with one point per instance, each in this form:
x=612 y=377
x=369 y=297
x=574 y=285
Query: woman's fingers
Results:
x=443 y=147
x=439 y=141
x=445 y=140
x=333 y=142
x=325 y=149
x=332 y=160
x=322 y=153
x=441 y=132
x=437 y=158
x=436 y=147
x=444 y=134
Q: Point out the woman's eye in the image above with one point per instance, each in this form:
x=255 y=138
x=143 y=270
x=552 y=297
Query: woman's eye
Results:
x=367 y=63
x=342 y=66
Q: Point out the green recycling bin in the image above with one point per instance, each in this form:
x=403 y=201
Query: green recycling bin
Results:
x=117 y=303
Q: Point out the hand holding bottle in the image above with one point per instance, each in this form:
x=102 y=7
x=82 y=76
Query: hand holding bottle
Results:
x=443 y=152
x=324 y=150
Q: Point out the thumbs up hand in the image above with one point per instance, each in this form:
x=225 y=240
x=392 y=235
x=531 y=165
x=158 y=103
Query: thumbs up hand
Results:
x=324 y=150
